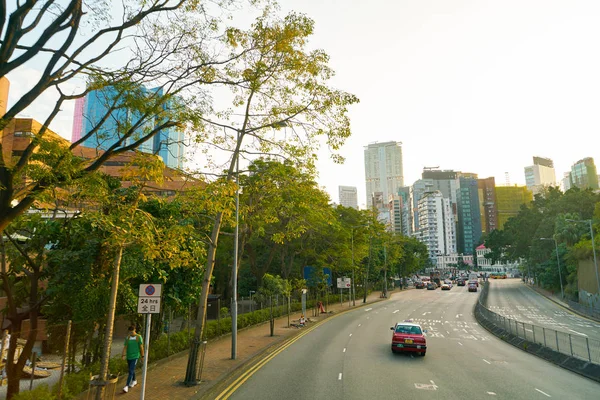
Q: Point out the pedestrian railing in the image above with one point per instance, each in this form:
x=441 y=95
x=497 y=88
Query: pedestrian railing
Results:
x=573 y=345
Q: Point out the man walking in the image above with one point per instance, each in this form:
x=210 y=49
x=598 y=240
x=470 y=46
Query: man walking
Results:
x=133 y=348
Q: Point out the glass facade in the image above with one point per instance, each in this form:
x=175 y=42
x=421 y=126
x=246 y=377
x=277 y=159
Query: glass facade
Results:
x=167 y=143
x=584 y=174
x=509 y=200
x=469 y=217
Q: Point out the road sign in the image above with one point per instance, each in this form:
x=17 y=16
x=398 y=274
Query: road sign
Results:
x=344 y=283
x=149 y=298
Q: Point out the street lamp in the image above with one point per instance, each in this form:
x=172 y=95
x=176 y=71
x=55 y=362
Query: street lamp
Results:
x=562 y=292
x=589 y=221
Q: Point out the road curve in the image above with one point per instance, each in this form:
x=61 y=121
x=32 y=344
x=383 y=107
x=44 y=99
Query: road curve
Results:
x=349 y=357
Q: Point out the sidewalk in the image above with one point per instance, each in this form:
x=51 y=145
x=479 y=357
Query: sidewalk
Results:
x=565 y=304
x=165 y=378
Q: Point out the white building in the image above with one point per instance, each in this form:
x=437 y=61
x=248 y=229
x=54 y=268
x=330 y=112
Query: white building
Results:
x=485 y=264
x=540 y=175
x=383 y=169
x=348 y=196
x=437 y=228
x=450 y=261
x=566 y=182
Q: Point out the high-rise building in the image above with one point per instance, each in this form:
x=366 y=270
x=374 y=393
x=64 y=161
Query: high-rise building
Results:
x=540 y=175
x=444 y=181
x=509 y=200
x=406 y=210
x=417 y=190
x=566 y=181
x=395 y=209
x=469 y=217
x=381 y=206
x=383 y=169
x=436 y=222
x=348 y=196
x=584 y=174
x=487 y=204
x=167 y=143
x=78 y=119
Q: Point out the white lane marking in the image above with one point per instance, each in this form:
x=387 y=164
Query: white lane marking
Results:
x=458 y=315
x=425 y=386
x=491 y=393
x=579 y=333
x=427 y=312
x=350 y=334
x=486 y=361
x=448 y=332
x=359 y=324
x=344 y=350
x=460 y=343
x=340 y=377
x=433 y=383
x=545 y=394
x=396 y=311
x=368 y=309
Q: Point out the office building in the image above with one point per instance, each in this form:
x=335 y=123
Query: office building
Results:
x=509 y=200
x=381 y=206
x=445 y=181
x=540 y=175
x=566 y=181
x=167 y=143
x=469 y=217
x=487 y=204
x=348 y=196
x=584 y=174
x=406 y=210
x=383 y=169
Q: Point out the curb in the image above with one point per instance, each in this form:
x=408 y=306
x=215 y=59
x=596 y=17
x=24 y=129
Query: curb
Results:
x=566 y=307
x=223 y=384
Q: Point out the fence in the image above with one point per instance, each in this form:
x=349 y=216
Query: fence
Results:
x=572 y=345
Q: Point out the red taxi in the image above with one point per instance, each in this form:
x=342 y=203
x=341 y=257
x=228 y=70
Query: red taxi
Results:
x=408 y=337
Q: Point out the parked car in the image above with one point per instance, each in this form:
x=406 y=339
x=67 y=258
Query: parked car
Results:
x=445 y=286
x=419 y=285
x=431 y=286
x=409 y=337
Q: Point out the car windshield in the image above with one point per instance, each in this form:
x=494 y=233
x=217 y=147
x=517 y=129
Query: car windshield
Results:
x=408 y=329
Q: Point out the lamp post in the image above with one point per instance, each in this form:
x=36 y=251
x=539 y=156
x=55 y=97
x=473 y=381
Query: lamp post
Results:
x=234 y=306
x=589 y=221
x=562 y=292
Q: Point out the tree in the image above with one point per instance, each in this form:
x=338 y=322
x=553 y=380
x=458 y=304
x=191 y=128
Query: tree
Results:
x=280 y=86
x=271 y=286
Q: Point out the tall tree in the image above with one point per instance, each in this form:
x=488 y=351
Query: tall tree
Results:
x=282 y=107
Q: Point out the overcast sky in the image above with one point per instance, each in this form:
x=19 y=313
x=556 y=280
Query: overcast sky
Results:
x=477 y=86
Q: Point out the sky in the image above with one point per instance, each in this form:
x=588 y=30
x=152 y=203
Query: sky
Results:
x=477 y=86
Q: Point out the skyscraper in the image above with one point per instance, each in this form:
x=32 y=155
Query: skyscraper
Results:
x=584 y=174
x=509 y=200
x=167 y=143
x=469 y=217
x=348 y=196
x=417 y=191
x=487 y=204
x=383 y=169
x=436 y=222
x=539 y=175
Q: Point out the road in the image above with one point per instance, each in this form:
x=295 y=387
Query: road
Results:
x=513 y=299
x=349 y=357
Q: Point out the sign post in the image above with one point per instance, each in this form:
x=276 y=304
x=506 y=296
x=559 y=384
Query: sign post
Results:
x=148 y=303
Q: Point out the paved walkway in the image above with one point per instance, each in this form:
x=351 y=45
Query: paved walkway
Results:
x=165 y=378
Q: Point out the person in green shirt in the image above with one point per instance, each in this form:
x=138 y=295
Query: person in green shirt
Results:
x=133 y=348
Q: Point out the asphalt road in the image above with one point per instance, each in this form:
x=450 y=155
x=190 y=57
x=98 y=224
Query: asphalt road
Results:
x=349 y=357
x=513 y=299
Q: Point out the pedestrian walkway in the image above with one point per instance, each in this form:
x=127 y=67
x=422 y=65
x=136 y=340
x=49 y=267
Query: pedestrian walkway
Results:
x=165 y=379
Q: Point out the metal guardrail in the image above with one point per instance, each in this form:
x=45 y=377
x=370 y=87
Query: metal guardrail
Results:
x=562 y=342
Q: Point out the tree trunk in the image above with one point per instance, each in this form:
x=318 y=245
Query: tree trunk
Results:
x=110 y=322
x=272 y=319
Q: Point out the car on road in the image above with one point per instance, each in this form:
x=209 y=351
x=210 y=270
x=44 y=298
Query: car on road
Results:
x=419 y=285
x=472 y=287
x=409 y=337
x=461 y=282
x=474 y=282
x=445 y=286
x=431 y=286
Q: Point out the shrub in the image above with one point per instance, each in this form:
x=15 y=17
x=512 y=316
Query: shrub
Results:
x=41 y=392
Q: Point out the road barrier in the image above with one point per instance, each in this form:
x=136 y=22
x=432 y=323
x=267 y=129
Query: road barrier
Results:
x=573 y=345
